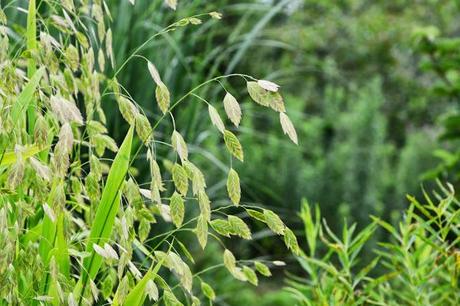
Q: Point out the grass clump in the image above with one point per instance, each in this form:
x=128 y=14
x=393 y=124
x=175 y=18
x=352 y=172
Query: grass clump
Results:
x=76 y=226
x=418 y=265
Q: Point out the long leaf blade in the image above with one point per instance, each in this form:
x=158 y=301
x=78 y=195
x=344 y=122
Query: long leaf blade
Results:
x=136 y=296
x=26 y=96
x=10 y=158
x=106 y=212
x=31 y=65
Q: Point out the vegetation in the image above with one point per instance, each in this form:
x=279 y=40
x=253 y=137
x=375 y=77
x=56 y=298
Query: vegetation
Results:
x=421 y=262
x=76 y=224
x=143 y=161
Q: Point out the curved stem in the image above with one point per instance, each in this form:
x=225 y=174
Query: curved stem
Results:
x=245 y=76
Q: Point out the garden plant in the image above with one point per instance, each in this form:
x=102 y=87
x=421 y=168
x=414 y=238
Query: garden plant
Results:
x=77 y=227
x=229 y=152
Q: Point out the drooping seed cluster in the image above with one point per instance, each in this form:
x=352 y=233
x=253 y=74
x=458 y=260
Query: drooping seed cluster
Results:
x=75 y=227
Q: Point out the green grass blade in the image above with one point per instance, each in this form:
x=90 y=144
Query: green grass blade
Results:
x=31 y=36
x=32 y=235
x=251 y=37
x=60 y=253
x=62 y=250
x=9 y=158
x=136 y=296
x=26 y=96
x=31 y=64
x=47 y=242
x=48 y=235
x=105 y=214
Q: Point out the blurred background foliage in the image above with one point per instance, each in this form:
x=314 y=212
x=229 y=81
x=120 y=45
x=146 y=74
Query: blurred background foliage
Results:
x=372 y=87
x=367 y=83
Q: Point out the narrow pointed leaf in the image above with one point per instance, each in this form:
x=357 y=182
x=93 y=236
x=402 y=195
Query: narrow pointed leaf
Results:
x=26 y=96
x=106 y=212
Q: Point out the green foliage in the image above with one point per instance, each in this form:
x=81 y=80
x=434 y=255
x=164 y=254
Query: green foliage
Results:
x=83 y=221
x=330 y=56
x=440 y=59
x=365 y=98
x=358 y=101
x=419 y=265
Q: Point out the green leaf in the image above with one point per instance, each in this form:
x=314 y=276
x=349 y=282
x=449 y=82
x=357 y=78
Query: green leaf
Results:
x=53 y=235
x=104 y=219
x=31 y=35
x=233 y=187
x=233 y=145
x=62 y=249
x=136 y=296
x=10 y=158
x=24 y=99
x=31 y=63
x=32 y=234
x=47 y=238
x=177 y=208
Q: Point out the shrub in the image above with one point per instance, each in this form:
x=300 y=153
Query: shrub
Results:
x=420 y=264
x=76 y=226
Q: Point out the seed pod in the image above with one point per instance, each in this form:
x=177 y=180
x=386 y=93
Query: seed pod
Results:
x=288 y=127
x=143 y=128
x=92 y=187
x=179 y=145
x=176 y=205
x=232 y=109
x=71 y=53
x=127 y=110
x=65 y=110
x=65 y=138
x=58 y=198
x=16 y=173
x=233 y=187
x=41 y=131
x=42 y=170
x=163 y=97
